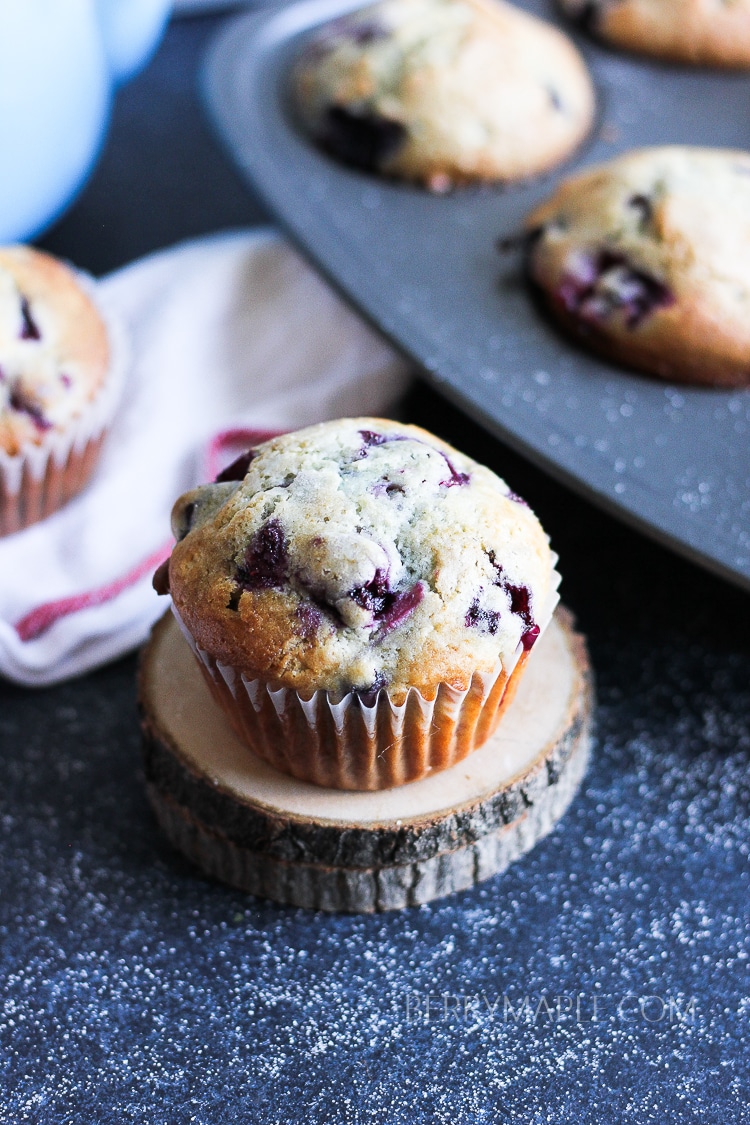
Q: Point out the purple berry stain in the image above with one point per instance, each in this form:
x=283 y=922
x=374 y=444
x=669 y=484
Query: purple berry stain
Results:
x=29 y=327
x=486 y=620
x=369 y=696
x=25 y=405
x=389 y=608
x=370 y=437
x=607 y=282
x=375 y=596
x=309 y=618
x=520 y=599
x=363 y=138
x=530 y=637
x=265 y=565
x=387 y=488
x=237 y=469
x=402 y=606
x=456 y=477
x=642 y=204
x=520 y=605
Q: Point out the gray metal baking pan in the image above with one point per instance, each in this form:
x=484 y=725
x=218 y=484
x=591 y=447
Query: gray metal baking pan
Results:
x=672 y=460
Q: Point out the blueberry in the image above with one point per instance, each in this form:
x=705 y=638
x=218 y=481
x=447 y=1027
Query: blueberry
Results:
x=486 y=620
x=370 y=437
x=309 y=617
x=368 y=696
x=160 y=581
x=520 y=604
x=520 y=601
x=362 y=138
x=25 y=405
x=184 y=524
x=238 y=468
x=266 y=564
x=607 y=282
x=401 y=607
x=375 y=596
x=642 y=204
x=588 y=14
x=29 y=328
x=389 y=608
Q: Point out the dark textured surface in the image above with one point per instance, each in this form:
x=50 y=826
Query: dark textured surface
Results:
x=133 y=991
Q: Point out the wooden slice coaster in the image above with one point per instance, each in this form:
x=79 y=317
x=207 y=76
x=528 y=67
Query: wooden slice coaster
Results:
x=246 y=824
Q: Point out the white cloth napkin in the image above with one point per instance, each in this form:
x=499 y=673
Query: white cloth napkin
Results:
x=229 y=331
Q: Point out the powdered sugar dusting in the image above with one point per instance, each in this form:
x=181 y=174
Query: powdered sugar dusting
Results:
x=129 y=981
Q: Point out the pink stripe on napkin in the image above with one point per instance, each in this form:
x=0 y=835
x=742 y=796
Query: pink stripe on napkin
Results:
x=44 y=616
x=229 y=444
x=220 y=452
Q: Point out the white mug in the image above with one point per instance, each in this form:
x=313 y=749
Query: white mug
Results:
x=60 y=61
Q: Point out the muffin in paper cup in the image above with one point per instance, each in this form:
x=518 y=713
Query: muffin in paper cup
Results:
x=62 y=362
x=361 y=598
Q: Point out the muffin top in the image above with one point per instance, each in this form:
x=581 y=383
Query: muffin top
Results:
x=444 y=91
x=359 y=554
x=694 y=31
x=648 y=257
x=53 y=347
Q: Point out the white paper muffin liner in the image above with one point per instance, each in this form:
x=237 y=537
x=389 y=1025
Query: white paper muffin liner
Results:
x=350 y=743
x=44 y=475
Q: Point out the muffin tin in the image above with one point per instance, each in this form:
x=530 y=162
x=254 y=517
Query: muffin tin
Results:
x=425 y=269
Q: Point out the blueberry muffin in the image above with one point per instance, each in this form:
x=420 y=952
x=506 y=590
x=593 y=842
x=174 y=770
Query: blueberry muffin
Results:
x=55 y=366
x=705 y=32
x=444 y=91
x=360 y=598
x=646 y=259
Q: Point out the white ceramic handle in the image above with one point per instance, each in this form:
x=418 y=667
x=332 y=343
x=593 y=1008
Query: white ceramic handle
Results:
x=131 y=29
